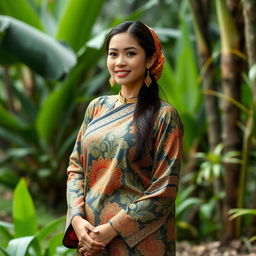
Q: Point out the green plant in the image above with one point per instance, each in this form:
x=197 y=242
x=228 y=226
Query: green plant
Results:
x=39 y=119
x=212 y=165
x=184 y=203
x=179 y=83
x=24 y=237
x=235 y=213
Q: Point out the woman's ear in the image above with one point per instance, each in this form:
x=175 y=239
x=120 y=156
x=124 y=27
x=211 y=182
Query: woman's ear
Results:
x=150 y=61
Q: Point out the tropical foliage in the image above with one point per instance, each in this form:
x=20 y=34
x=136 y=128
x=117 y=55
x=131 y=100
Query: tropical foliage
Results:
x=24 y=237
x=56 y=65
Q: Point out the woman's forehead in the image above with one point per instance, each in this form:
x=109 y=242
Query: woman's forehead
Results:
x=123 y=40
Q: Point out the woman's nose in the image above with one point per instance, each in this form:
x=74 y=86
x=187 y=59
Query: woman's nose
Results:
x=120 y=61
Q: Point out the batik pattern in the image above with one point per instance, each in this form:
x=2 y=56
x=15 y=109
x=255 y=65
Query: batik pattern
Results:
x=106 y=185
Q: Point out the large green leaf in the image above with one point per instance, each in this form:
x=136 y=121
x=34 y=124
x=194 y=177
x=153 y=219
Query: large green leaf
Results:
x=5 y=232
x=24 y=215
x=77 y=21
x=40 y=52
x=54 y=242
x=169 y=89
x=187 y=73
x=54 y=109
x=21 y=10
x=14 y=125
x=4 y=252
x=20 y=246
x=49 y=228
x=11 y=121
x=50 y=115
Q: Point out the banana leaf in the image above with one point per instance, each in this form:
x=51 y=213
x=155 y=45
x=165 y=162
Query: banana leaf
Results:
x=40 y=52
x=77 y=21
x=22 y=10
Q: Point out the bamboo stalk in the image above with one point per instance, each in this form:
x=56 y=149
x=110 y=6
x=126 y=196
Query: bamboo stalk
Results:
x=249 y=13
x=232 y=136
x=200 y=10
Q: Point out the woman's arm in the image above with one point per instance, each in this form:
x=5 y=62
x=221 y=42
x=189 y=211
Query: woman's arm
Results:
x=148 y=213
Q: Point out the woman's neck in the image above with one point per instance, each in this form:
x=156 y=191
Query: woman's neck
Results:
x=130 y=92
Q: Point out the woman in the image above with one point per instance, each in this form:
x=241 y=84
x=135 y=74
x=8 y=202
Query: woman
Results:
x=124 y=170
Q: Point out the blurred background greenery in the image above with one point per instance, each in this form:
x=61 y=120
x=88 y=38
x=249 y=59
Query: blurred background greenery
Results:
x=52 y=63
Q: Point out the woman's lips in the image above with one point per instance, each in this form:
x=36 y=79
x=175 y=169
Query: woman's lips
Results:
x=122 y=73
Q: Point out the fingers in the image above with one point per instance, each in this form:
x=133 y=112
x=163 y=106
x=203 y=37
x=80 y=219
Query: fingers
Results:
x=87 y=244
x=90 y=227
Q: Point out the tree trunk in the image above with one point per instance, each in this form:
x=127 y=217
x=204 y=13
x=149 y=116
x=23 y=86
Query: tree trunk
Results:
x=249 y=12
x=232 y=136
x=201 y=10
x=229 y=17
x=231 y=66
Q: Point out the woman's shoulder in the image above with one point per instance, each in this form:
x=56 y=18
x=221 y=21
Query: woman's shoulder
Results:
x=168 y=114
x=104 y=101
x=167 y=108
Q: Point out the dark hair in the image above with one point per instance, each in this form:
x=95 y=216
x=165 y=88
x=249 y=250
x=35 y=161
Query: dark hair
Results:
x=148 y=102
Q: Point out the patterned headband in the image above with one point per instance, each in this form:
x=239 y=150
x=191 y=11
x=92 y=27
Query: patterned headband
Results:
x=156 y=68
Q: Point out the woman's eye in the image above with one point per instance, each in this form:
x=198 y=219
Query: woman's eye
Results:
x=131 y=53
x=112 y=54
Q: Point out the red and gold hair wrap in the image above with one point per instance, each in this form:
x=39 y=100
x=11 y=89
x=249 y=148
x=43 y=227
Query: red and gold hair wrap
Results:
x=157 y=67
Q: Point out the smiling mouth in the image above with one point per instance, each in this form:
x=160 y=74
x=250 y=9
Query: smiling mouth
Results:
x=121 y=74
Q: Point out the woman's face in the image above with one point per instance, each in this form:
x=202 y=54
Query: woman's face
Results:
x=126 y=60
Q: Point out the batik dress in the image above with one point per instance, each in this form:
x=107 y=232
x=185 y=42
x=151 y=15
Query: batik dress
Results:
x=106 y=185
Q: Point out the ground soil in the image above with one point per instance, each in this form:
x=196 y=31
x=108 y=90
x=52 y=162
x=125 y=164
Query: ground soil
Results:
x=235 y=248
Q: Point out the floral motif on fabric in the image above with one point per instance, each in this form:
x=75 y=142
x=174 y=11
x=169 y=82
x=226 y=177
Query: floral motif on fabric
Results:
x=109 y=211
x=105 y=184
x=118 y=248
x=151 y=247
x=104 y=177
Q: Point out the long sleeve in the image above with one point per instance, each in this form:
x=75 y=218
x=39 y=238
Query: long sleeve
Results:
x=75 y=183
x=148 y=213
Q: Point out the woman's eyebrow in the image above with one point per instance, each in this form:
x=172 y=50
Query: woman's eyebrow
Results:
x=127 y=48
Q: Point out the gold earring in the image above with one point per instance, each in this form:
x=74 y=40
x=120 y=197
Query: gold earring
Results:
x=112 y=81
x=148 y=79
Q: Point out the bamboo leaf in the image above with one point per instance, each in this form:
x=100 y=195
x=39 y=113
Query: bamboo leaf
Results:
x=77 y=22
x=24 y=215
x=240 y=212
x=187 y=203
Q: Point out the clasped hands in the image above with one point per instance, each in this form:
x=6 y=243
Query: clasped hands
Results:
x=92 y=239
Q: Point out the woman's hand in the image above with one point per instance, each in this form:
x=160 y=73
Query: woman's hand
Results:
x=82 y=229
x=105 y=235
